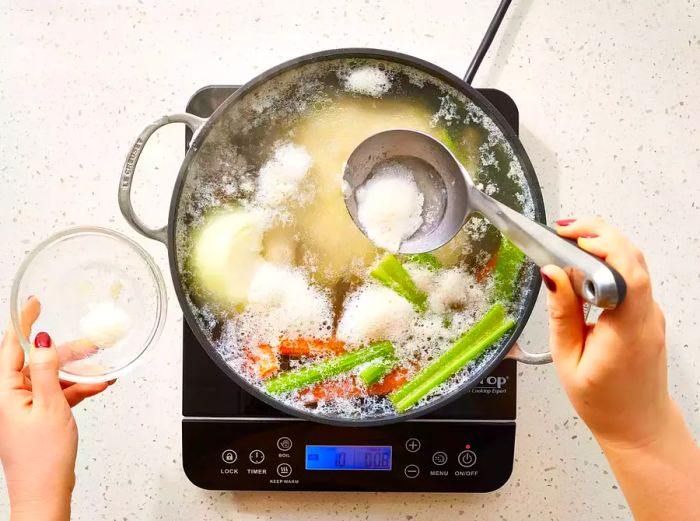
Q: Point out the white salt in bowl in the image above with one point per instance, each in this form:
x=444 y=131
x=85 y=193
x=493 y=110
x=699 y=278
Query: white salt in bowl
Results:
x=103 y=302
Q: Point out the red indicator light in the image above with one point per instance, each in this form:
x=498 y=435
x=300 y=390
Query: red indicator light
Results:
x=467 y=446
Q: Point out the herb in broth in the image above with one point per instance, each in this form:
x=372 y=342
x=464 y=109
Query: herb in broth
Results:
x=276 y=157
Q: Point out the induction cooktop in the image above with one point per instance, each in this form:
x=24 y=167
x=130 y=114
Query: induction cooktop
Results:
x=233 y=441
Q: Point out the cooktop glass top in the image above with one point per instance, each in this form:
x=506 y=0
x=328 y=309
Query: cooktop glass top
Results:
x=209 y=393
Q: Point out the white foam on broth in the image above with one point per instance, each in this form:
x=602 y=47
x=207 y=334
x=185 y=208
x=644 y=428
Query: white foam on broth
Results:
x=390 y=205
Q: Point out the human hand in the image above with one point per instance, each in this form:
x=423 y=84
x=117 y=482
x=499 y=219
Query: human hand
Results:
x=38 y=434
x=614 y=371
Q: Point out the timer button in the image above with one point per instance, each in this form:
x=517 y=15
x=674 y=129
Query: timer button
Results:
x=413 y=445
x=256 y=456
x=284 y=470
x=411 y=471
x=229 y=456
x=467 y=458
x=284 y=444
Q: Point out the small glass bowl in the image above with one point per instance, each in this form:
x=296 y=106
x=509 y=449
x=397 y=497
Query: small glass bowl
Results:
x=103 y=301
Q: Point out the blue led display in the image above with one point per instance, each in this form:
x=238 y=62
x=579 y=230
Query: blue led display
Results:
x=349 y=457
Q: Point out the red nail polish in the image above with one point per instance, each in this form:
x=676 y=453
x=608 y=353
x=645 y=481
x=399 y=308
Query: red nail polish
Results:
x=548 y=281
x=565 y=222
x=42 y=340
x=588 y=236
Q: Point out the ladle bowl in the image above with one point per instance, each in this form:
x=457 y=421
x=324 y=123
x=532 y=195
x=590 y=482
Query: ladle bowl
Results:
x=450 y=196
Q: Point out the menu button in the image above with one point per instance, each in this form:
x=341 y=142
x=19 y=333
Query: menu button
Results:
x=439 y=458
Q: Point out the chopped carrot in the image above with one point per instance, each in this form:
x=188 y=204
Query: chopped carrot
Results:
x=298 y=347
x=331 y=390
x=484 y=272
x=263 y=360
x=349 y=388
x=343 y=389
x=391 y=382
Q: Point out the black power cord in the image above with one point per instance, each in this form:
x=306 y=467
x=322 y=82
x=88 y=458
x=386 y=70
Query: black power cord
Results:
x=486 y=41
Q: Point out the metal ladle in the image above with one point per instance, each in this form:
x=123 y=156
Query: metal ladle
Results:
x=450 y=194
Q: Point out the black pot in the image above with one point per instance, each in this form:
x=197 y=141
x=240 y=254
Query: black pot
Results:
x=201 y=129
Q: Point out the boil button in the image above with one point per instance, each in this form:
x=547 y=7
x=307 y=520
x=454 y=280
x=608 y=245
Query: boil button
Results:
x=284 y=444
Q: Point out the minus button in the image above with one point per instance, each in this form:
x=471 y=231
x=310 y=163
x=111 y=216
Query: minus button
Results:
x=411 y=471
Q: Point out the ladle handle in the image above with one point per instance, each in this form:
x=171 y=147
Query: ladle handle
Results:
x=594 y=280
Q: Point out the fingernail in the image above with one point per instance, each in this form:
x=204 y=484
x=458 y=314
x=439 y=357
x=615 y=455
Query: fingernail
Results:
x=30 y=297
x=565 y=222
x=548 y=281
x=42 y=340
x=588 y=236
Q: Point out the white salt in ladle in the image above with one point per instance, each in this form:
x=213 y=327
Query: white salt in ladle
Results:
x=450 y=196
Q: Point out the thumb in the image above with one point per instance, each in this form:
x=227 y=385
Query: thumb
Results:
x=566 y=322
x=43 y=369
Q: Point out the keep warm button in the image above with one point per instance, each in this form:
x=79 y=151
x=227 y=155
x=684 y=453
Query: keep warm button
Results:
x=284 y=470
x=467 y=458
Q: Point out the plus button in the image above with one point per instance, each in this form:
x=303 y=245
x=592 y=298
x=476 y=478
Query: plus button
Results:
x=413 y=445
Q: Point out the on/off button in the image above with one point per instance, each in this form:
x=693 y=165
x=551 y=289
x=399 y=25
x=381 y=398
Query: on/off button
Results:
x=467 y=458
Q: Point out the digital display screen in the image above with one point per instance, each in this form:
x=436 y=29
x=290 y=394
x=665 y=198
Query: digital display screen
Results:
x=348 y=457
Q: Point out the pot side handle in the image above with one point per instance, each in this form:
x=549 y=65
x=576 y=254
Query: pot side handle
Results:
x=158 y=234
x=519 y=354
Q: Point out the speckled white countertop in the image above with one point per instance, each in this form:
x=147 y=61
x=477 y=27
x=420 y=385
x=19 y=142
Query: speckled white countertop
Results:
x=608 y=97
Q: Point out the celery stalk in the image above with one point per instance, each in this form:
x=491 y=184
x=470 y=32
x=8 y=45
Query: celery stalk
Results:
x=493 y=317
x=310 y=374
x=508 y=263
x=491 y=321
x=467 y=351
x=375 y=372
x=394 y=276
x=427 y=260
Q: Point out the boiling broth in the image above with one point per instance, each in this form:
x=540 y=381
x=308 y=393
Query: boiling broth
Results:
x=312 y=253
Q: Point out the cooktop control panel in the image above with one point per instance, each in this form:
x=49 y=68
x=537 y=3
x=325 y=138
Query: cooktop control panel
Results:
x=287 y=454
